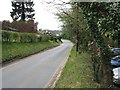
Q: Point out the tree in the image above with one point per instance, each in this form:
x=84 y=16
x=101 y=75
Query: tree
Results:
x=5 y=24
x=94 y=13
x=28 y=26
x=100 y=18
x=22 y=10
x=74 y=26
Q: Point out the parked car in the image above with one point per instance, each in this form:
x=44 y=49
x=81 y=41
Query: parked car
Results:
x=115 y=51
x=116 y=77
x=115 y=61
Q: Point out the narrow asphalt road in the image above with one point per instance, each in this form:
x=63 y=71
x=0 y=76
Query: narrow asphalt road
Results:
x=37 y=70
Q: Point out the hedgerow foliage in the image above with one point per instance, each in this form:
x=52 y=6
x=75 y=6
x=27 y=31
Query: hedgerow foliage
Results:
x=10 y=36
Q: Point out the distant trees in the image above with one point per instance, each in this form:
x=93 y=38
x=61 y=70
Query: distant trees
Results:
x=22 y=10
x=5 y=24
x=20 y=26
x=28 y=26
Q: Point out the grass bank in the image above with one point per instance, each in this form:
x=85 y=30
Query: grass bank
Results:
x=77 y=72
x=12 y=51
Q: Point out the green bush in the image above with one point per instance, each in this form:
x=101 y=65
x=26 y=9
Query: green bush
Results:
x=45 y=38
x=0 y=36
x=13 y=36
x=39 y=39
x=10 y=36
x=34 y=37
x=23 y=37
x=5 y=36
x=28 y=37
x=16 y=37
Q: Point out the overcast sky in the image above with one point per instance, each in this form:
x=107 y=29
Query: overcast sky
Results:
x=44 y=14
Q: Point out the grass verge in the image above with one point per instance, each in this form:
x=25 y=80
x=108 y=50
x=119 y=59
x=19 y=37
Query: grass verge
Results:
x=12 y=51
x=77 y=72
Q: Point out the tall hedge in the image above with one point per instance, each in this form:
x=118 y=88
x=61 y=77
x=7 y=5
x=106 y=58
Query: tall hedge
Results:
x=10 y=36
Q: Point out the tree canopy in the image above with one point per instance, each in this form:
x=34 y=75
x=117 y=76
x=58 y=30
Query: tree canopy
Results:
x=22 y=10
x=93 y=22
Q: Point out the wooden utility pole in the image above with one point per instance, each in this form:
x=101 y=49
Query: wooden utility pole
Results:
x=77 y=29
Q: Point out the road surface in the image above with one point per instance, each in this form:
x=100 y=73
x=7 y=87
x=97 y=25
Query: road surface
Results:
x=37 y=70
